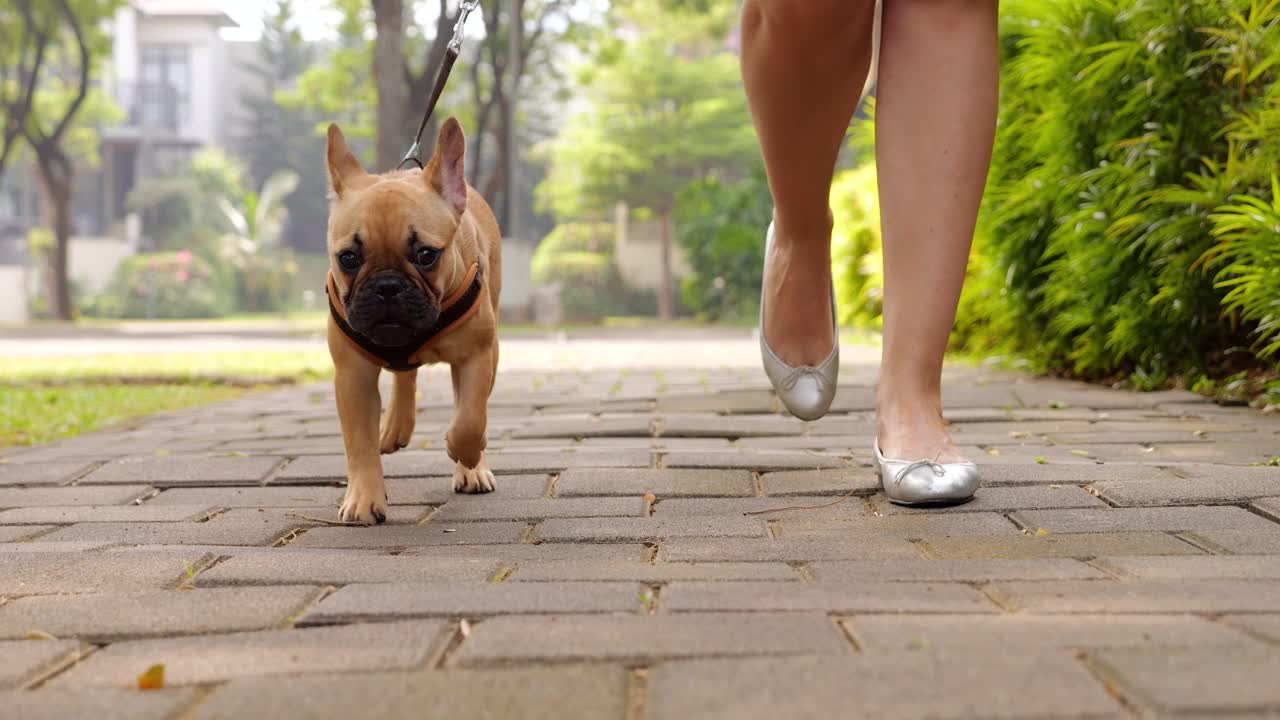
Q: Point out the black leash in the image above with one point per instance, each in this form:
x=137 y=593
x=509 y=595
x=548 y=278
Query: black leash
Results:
x=442 y=76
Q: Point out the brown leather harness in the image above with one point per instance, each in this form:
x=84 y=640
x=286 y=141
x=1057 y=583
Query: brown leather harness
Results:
x=454 y=311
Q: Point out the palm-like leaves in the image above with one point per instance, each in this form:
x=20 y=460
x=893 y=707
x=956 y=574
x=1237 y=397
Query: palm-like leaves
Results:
x=1129 y=224
x=257 y=226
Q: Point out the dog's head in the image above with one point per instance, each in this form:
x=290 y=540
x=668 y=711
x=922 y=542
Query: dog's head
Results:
x=391 y=237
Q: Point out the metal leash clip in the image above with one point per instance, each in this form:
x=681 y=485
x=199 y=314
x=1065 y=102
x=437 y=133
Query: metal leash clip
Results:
x=450 y=55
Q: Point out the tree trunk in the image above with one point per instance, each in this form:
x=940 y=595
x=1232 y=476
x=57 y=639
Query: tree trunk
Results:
x=55 y=179
x=388 y=77
x=665 y=309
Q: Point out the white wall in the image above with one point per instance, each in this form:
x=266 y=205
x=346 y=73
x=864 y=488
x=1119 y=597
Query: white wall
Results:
x=517 y=286
x=91 y=261
x=13 y=295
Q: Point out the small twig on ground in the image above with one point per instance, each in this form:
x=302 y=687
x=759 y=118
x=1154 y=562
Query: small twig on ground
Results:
x=837 y=501
x=323 y=520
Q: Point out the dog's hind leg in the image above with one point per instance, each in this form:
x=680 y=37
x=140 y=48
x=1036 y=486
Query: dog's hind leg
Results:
x=466 y=440
x=401 y=414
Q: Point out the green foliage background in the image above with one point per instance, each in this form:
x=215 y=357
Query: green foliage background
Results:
x=1131 y=225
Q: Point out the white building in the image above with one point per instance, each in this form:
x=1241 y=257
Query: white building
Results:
x=171 y=74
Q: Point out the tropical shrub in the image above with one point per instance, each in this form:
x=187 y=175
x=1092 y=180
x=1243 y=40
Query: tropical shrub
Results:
x=721 y=228
x=590 y=287
x=1131 y=225
x=855 y=247
x=162 y=285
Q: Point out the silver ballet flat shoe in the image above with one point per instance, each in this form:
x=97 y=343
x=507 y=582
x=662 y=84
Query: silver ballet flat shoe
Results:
x=925 y=482
x=806 y=391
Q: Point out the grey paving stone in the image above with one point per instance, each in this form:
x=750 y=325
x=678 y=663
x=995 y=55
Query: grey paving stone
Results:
x=1031 y=633
x=647 y=528
x=860 y=481
x=512 y=553
x=1264 y=626
x=730 y=426
x=47 y=547
x=1268 y=507
x=759 y=461
x=1204 y=517
x=803 y=523
x=1077 y=546
x=492 y=508
x=395 y=536
x=966 y=571
x=901 y=685
x=108 y=617
x=1203 y=567
x=201 y=660
x=213 y=532
x=242 y=497
x=10 y=533
x=532 y=693
x=836 y=597
x=643 y=638
x=1210 y=680
x=1240 y=542
x=55 y=473
x=535 y=462
x=1229 y=472
x=1140 y=596
x=23 y=662
x=339 y=568
x=778 y=507
x=662 y=483
x=1050 y=473
x=383 y=601
x=329 y=468
x=649 y=573
x=584 y=426
x=173 y=470
x=64 y=573
x=786 y=550
x=318 y=517
x=80 y=495
x=97 y=703
x=1006 y=499
x=103 y=513
x=1186 y=491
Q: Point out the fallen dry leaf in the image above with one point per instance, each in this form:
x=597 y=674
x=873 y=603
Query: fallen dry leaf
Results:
x=39 y=635
x=464 y=627
x=153 y=678
x=650 y=498
x=1041 y=532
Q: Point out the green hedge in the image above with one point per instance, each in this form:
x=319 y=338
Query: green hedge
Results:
x=1131 y=225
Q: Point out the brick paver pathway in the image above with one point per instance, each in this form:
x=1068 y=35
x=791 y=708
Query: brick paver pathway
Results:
x=1123 y=559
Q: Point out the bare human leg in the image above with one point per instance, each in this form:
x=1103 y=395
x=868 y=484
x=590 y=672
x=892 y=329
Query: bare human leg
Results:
x=804 y=63
x=935 y=123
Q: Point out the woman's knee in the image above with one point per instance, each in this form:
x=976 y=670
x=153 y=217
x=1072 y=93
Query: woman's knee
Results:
x=814 y=16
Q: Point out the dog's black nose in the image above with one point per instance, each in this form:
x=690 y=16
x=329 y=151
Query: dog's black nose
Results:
x=388 y=288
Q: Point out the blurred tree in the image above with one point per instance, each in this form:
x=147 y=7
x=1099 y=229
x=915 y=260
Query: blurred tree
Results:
x=666 y=107
x=50 y=50
x=275 y=135
x=341 y=88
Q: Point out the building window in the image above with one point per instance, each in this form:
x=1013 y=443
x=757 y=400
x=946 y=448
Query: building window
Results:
x=164 y=98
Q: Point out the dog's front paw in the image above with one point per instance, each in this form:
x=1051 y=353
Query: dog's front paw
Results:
x=397 y=429
x=478 y=479
x=363 y=506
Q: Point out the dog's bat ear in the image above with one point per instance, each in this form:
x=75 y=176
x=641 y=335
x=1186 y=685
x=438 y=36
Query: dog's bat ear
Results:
x=446 y=172
x=344 y=168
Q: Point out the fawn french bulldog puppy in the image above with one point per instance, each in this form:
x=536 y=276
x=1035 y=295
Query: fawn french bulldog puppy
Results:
x=415 y=272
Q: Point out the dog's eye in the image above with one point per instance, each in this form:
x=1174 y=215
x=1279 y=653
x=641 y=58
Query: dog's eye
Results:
x=349 y=260
x=427 y=256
